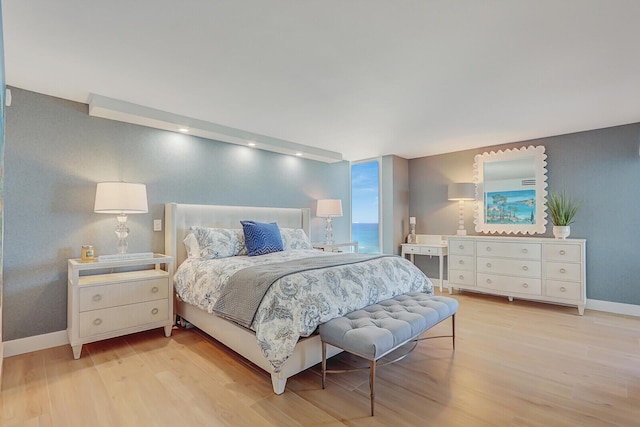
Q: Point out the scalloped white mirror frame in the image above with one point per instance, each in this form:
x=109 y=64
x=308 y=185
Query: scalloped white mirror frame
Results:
x=539 y=156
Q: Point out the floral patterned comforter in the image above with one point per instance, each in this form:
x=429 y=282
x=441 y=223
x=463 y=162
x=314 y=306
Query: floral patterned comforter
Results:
x=295 y=305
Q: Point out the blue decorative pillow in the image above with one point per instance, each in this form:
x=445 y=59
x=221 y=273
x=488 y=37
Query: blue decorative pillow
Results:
x=261 y=238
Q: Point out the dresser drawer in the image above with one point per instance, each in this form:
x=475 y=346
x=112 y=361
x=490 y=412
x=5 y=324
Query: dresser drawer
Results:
x=462 y=247
x=97 y=297
x=461 y=262
x=562 y=252
x=112 y=319
x=509 y=250
x=462 y=277
x=567 y=290
x=509 y=284
x=563 y=271
x=512 y=267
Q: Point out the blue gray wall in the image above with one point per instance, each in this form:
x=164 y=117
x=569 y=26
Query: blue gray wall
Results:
x=56 y=153
x=599 y=167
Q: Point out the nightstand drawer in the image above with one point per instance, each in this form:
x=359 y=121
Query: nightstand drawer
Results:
x=97 y=297
x=112 y=319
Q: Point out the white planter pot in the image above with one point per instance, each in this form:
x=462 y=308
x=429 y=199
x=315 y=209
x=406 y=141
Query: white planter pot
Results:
x=561 y=231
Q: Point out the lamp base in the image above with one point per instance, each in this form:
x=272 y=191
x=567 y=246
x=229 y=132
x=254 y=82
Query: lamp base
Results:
x=462 y=232
x=122 y=231
x=328 y=237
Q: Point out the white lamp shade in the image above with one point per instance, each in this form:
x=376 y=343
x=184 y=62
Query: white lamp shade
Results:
x=329 y=208
x=121 y=197
x=462 y=191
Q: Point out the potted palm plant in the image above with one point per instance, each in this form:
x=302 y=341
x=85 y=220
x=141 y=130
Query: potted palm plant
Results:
x=562 y=210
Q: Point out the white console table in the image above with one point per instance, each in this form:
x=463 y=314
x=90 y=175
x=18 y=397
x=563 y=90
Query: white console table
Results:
x=428 y=244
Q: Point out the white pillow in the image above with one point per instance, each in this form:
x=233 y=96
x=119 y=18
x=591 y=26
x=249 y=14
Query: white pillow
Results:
x=219 y=242
x=295 y=238
x=191 y=245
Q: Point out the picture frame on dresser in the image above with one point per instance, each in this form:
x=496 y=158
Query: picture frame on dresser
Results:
x=538 y=269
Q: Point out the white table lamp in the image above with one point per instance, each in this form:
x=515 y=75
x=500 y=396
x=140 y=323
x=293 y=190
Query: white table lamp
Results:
x=121 y=198
x=329 y=208
x=461 y=191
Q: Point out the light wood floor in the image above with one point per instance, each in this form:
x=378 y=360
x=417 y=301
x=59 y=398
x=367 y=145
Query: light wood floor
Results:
x=515 y=364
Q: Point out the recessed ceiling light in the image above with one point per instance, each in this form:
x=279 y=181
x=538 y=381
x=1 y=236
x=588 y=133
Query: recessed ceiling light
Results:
x=184 y=130
x=251 y=144
x=298 y=154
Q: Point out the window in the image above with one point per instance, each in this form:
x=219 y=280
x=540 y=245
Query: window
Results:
x=365 y=206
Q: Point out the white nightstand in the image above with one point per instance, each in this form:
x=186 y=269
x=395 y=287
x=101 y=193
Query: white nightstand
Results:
x=333 y=247
x=114 y=303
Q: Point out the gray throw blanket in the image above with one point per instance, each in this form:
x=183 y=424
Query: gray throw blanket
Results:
x=241 y=296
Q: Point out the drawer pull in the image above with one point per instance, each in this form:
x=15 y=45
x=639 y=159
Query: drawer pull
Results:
x=525 y=285
x=154 y=290
x=562 y=270
x=97 y=322
x=461 y=277
x=525 y=251
x=154 y=311
x=488 y=265
x=563 y=289
x=96 y=297
x=461 y=247
x=562 y=252
x=525 y=268
x=488 y=248
x=488 y=281
x=460 y=262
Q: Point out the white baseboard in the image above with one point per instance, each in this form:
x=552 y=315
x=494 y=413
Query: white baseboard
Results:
x=35 y=343
x=613 y=307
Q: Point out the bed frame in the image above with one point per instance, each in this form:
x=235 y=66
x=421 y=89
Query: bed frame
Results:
x=178 y=219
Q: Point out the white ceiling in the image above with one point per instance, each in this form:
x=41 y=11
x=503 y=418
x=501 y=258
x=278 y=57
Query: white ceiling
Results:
x=360 y=77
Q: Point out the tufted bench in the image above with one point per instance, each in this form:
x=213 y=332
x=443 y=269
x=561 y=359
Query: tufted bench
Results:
x=379 y=329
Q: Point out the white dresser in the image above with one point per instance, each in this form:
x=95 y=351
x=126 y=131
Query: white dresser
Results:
x=541 y=269
x=116 y=303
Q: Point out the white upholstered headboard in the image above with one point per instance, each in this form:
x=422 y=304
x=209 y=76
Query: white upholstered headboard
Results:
x=179 y=218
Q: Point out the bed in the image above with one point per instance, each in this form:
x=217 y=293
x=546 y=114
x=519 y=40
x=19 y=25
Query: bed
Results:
x=306 y=351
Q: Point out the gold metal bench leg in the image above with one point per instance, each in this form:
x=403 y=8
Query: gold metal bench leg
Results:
x=324 y=363
x=453 y=330
x=372 y=384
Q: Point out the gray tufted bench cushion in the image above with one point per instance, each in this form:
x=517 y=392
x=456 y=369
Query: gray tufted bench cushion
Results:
x=379 y=329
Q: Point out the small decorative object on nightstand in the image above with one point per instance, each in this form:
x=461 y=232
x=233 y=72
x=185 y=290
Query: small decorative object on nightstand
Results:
x=411 y=238
x=102 y=306
x=335 y=247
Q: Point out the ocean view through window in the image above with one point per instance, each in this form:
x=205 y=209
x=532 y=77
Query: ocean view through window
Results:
x=365 y=206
